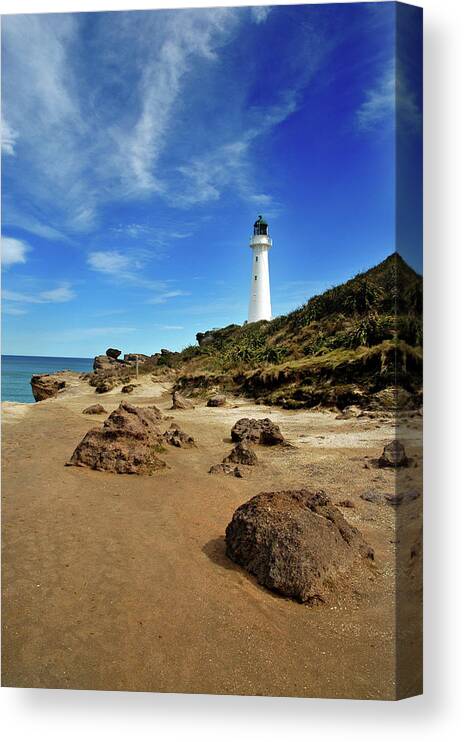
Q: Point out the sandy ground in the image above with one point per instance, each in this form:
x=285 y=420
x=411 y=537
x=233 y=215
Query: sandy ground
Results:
x=121 y=582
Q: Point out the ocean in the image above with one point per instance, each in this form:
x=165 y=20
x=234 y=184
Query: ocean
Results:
x=17 y=372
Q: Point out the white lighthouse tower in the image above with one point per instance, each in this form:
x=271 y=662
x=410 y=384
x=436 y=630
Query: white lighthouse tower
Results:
x=260 y=292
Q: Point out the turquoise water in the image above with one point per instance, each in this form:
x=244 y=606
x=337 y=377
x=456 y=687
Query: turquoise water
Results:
x=17 y=372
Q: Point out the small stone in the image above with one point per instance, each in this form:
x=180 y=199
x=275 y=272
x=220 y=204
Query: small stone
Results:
x=181 y=403
x=232 y=471
x=176 y=437
x=393 y=455
x=373 y=497
x=262 y=431
x=241 y=454
x=94 y=409
x=217 y=401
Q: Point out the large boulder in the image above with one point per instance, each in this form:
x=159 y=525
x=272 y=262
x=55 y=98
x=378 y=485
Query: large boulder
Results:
x=257 y=431
x=128 y=388
x=181 y=403
x=113 y=353
x=294 y=542
x=241 y=454
x=393 y=455
x=126 y=444
x=45 y=386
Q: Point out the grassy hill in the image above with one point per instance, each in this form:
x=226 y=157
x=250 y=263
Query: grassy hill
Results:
x=347 y=345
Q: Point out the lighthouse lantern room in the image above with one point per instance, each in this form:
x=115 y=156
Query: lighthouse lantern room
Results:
x=260 y=292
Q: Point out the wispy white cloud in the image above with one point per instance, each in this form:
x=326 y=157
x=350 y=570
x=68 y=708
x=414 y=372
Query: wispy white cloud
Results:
x=13 y=311
x=81 y=148
x=259 y=13
x=166 y=295
x=126 y=268
x=230 y=165
x=13 y=251
x=186 y=39
x=111 y=262
x=60 y=294
x=9 y=137
x=388 y=98
x=170 y=327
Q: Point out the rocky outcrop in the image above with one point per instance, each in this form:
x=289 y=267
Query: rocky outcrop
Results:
x=393 y=455
x=113 y=353
x=176 y=437
x=45 y=386
x=392 y=398
x=294 y=542
x=263 y=431
x=217 y=401
x=232 y=471
x=127 y=443
x=102 y=363
x=241 y=454
x=181 y=403
x=94 y=409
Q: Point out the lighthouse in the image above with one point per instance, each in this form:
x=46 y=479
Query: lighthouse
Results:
x=260 y=292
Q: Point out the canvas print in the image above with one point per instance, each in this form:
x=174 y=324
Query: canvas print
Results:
x=212 y=350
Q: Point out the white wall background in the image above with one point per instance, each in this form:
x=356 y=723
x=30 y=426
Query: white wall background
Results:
x=74 y=715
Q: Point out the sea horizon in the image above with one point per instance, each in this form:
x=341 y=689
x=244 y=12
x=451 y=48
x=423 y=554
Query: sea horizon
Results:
x=18 y=369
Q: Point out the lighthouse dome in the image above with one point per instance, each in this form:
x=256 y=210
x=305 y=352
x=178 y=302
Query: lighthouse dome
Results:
x=260 y=226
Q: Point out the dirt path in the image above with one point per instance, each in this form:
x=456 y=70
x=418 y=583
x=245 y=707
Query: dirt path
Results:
x=120 y=582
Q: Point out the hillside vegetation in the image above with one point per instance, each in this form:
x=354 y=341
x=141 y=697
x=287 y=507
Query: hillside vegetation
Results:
x=347 y=345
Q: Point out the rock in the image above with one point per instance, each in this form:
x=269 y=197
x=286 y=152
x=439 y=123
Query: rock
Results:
x=349 y=412
x=203 y=338
x=393 y=455
x=346 y=504
x=45 y=386
x=372 y=497
x=294 y=542
x=128 y=389
x=132 y=358
x=94 y=409
x=113 y=353
x=233 y=471
x=217 y=401
x=176 y=437
x=399 y=498
x=257 y=431
x=106 y=385
x=241 y=454
x=126 y=444
x=102 y=363
x=392 y=398
x=181 y=403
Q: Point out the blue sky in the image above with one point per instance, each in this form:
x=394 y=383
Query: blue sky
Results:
x=139 y=147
